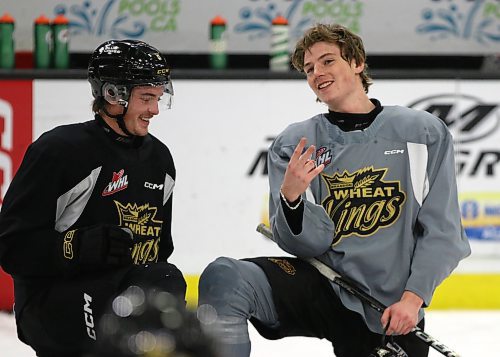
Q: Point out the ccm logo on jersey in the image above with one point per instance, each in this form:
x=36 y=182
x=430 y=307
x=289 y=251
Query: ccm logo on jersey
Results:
x=118 y=182
x=89 y=319
x=394 y=152
x=153 y=186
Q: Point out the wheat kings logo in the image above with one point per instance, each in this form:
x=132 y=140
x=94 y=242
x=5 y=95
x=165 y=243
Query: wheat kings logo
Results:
x=141 y=221
x=362 y=202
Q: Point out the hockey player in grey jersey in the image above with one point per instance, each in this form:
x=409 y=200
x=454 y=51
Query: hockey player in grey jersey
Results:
x=367 y=189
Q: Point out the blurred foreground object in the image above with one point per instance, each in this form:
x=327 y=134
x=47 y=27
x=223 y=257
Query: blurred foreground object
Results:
x=149 y=322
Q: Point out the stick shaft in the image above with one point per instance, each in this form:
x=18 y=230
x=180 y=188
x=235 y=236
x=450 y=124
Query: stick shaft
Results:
x=354 y=290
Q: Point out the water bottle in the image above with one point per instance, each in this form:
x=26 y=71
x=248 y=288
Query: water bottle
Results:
x=279 y=59
x=60 y=54
x=42 y=41
x=7 y=53
x=218 y=55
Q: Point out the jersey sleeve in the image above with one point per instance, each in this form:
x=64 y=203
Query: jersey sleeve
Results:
x=166 y=241
x=440 y=238
x=30 y=242
x=317 y=228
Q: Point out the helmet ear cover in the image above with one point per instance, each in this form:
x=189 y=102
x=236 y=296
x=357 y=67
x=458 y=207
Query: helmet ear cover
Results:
x=115 y=94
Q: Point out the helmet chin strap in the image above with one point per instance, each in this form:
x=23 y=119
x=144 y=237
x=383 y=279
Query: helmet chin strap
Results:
x=119 y=119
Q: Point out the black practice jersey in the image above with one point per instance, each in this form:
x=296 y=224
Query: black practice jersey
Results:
x=82 y=175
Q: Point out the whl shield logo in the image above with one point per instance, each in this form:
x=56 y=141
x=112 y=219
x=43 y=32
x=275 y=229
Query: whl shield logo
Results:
x=323 y=156
x=118 y=182
x=468 y=118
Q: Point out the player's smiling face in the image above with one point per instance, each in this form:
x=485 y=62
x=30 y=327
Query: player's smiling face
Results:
x=332 y=78
x=142 y=106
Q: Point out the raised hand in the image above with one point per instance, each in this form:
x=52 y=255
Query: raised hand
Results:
x=301 y=170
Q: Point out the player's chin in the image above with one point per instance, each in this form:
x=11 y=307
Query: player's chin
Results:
x=322 y=96
x=142 y=128
x=141 y=131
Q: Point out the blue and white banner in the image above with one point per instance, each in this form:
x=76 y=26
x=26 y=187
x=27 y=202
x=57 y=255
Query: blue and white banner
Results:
x=462 y=27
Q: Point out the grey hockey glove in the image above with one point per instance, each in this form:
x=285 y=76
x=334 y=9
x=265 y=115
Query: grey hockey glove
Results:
x=97 y=247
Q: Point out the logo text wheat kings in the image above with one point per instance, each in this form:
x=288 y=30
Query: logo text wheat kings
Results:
x=361 y=202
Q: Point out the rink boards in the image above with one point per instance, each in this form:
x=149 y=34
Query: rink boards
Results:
x=219 y=132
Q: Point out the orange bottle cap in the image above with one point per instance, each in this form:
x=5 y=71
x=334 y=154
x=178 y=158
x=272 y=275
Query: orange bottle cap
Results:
x=60 y=20
x=218 y=20
x=280 y=20
x=7 y=18
x=42 y=20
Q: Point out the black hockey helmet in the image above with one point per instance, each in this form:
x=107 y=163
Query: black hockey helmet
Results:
x=116 y=66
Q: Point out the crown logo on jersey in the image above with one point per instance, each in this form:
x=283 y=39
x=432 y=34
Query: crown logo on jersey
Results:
x=137 y=214
x=342 y=181
x=118 y=182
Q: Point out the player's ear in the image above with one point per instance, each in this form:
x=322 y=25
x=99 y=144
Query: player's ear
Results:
x=357 y=67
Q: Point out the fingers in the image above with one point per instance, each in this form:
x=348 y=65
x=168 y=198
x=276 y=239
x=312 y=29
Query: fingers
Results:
x=397 y=323
x=386 y=316
x=301 y=171
x=310 y=165
x=316 y=170
x=306 y=156
x=298 y=150
x=301 y=156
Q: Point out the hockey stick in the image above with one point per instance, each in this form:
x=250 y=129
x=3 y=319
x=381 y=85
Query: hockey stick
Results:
x=351 y=287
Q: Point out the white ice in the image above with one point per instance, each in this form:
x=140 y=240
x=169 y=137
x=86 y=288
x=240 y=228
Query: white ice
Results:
x=469 y=333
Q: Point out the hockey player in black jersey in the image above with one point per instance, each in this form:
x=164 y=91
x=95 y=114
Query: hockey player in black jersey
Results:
x=89 y=212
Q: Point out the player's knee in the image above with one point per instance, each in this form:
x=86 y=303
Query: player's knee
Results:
x=219 y=281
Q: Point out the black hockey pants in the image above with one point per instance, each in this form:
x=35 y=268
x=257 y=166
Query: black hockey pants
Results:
x=62 y=320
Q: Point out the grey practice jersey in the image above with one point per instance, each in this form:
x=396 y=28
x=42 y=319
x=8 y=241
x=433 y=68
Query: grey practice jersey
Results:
x=384 y=211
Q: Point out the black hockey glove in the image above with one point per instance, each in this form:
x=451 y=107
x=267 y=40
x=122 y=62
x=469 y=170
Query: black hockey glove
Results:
x=97 y=247
x=388 y=347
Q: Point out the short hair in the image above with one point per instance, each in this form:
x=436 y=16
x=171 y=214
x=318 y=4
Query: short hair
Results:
x=351 y=47
x=98 y=104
